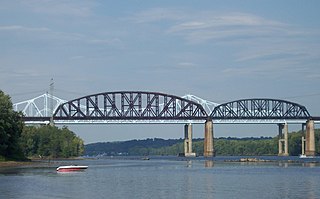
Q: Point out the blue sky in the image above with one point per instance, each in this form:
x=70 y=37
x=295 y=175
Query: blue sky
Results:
x=217 y=50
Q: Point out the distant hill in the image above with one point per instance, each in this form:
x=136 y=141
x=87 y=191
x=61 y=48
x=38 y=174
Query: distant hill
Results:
x=222 y=146
x=158 y=146
x=131 y=147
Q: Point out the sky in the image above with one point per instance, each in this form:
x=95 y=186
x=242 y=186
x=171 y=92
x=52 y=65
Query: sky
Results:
x=219 y=50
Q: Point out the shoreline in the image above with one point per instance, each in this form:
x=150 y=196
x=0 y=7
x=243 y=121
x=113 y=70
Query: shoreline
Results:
x=36 y=162
x=55 y=162
x=9 y=164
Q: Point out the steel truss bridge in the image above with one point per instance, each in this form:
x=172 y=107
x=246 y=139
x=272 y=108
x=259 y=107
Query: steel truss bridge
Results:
x=155 y=107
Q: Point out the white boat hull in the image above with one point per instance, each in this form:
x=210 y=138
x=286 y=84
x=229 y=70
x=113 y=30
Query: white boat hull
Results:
x=71 y=168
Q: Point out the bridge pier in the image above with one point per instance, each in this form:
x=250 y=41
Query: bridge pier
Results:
x=303 y=141
x=310 y=139
x=208 y=139
x=283 y=140
x=188 y=141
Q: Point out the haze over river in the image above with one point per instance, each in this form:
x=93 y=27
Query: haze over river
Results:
x=164 y=177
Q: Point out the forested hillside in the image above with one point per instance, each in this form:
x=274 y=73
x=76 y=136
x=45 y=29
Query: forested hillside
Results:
x=132 y=147
x=223 y=146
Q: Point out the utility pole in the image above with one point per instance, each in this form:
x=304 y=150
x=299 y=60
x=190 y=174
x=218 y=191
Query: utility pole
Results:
x=51 y=101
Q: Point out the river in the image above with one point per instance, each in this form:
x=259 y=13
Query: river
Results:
x=163 y=177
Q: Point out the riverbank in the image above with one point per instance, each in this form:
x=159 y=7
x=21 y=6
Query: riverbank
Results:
x=37 y=162
x=17 y=163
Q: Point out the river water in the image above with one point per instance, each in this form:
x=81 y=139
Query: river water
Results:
x=163 y=177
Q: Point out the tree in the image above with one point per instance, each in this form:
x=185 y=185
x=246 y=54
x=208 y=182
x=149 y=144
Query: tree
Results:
x=11 y=126
x=50 y=141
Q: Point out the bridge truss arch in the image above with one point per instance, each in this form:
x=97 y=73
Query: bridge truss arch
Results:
x=41 y=106
x=130 y=105
x=260 y=109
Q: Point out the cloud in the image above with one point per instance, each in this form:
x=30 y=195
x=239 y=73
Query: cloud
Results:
x=230 y=26
x=77 y=8
x=21 y=73
x=111 y=42
x=235 y=20
x=315 y=76
x=186 y=64
x=158 y=14
x=255 y=44
x=23 y=28
x=201 y=27
x=274 y=69
x=43 y=33
x=77 y=57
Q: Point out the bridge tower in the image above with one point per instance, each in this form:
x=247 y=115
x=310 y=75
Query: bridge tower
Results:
x=51 y=102
x=310 y=139
x=283 y=140
x=188 y=141
x=208 y=139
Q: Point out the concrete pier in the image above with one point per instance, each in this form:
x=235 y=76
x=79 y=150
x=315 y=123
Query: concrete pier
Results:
x=283 y=140
x=208 y=150
x=303 y=141
x=310 y=139
x=188 y=141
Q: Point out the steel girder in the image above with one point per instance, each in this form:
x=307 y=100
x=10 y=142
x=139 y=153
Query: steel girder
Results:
x=260 y=109
x=130 y=105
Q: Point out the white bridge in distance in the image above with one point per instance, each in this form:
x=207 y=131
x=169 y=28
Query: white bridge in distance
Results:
x=41 y=106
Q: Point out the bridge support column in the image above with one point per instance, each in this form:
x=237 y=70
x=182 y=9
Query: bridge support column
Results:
x=188 y=141
x=283 y=140
x=303 y=141
x=310 y=139
x=208 y=139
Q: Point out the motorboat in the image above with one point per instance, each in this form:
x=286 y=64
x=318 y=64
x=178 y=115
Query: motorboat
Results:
x=302 y=156
x=71 y=168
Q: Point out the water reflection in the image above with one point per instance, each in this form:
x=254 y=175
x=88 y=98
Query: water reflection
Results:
x=309 y=164
x=208 y=163
x=10 y=171
x=189 y=163
x=283 y=164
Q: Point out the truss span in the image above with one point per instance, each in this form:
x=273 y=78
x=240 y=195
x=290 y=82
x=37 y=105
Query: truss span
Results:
x=130 y=105
x=41 y=106
x=260 y=109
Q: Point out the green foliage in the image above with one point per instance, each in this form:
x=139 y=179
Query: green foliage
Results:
x=295 y=145
x=11 y=127
x=246 y=146
x=149 y=146
x=2 y=158
x=223 y=146
x=294 y=142
x=50 y=141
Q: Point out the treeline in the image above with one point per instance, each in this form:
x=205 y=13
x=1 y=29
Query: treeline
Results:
x=223 y=146
x=17 y=141
x=50 y=141
x=131 y=147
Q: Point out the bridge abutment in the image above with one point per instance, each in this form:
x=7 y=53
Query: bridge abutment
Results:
x=188 y=141
x=310 y=139
x=283 y=140
x=208 y=139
